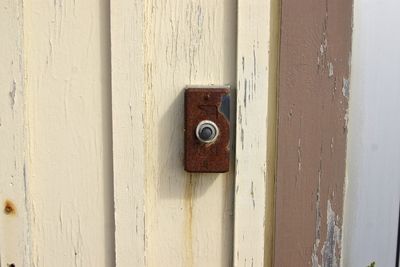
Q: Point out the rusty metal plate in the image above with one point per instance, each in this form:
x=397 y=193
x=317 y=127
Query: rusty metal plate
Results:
x=207 y=145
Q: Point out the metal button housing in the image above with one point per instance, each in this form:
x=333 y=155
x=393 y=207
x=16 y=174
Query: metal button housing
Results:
x=207 y=132
x=207 y=129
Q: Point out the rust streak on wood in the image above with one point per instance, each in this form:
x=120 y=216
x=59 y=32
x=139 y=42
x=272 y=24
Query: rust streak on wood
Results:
x=312 y=127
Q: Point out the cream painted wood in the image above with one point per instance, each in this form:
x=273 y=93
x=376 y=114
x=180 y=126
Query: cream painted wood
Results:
x=128 y=83
x=14 y=226
x=165 y=216
x=55 y=133
x=67 y=55
x=255 y=132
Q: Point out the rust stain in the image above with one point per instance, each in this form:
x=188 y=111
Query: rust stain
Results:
x=207 y=104
x=9 y=208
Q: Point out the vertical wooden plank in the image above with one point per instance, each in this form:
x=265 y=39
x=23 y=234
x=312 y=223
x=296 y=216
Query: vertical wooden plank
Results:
x=69 y=111
x=128 y=108
x=373 y=169
x=313 y=91
x=255 y=133
x=14 y=223
x=165 y=216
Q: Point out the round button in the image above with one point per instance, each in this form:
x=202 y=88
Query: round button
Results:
x=207 y=131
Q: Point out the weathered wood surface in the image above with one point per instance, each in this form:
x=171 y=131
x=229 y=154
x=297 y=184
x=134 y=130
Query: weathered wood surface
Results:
x=67 y=59
x=312 y=126
x=14 y=222
x=165 y=216
x=128 y=83
x=255 y=132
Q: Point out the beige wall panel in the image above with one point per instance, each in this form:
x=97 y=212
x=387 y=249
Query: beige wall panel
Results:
x=14 y=226
x=255 y=132
x=159 y=47
x=69 y=109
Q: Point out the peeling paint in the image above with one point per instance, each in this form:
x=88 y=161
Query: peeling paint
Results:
x=299 y=155
x=314 y=256
x=346 y=121
x=12 y=94
x=250 y=247
x=330 y=69
x=313 y=56
x=332 y=242
x=346 y=88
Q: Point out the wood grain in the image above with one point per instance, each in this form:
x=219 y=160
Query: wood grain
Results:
x=128 y=131
x=67 y=55
x=255 y=134
x=312 y=127
x=165 y=216
x=14 y=215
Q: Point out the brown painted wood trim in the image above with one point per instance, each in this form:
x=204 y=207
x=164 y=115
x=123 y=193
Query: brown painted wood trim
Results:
x=312 y=127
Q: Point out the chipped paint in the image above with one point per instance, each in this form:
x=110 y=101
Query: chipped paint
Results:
x=314 y=256
x=346 y=88
x=330 y=69
x=255 y=102
x=12 y=94
x=332 y=242
x=314 y=56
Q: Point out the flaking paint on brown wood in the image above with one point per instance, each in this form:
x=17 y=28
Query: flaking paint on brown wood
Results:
x=312 y=127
